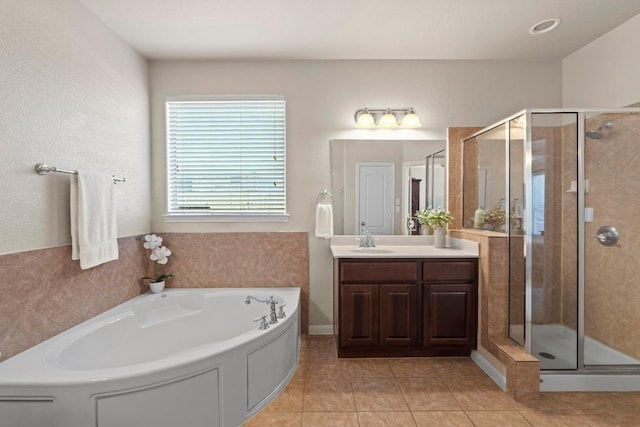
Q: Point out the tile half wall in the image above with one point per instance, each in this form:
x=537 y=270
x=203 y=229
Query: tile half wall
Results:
x=43 y=292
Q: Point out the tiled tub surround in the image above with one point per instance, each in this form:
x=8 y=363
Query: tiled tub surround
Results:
x=43 y=292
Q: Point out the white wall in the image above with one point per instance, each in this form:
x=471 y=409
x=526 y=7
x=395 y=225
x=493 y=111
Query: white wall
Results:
x=322 y=97
x=604 y=73
x=73 y=95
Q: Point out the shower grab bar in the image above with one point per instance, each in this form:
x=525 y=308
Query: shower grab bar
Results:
x=42 y=169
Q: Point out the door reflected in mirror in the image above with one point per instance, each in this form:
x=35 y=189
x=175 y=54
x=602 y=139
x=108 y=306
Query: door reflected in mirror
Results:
x=378 y=185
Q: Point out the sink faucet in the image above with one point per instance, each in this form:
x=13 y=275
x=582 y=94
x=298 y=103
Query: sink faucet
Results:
x=366 y=240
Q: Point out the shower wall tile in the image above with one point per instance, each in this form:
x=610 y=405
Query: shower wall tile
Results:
x=455 y=135
x=612 y=298
x=44 y=292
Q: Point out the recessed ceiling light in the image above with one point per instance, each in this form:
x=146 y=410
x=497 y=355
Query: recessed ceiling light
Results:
x=545 y=26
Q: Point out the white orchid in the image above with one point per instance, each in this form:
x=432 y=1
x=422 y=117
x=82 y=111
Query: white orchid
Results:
x=160 y=254
x=152 y=241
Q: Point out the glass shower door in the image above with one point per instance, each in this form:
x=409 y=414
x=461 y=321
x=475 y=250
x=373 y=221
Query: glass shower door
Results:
x=553 y=246
x=612 y=240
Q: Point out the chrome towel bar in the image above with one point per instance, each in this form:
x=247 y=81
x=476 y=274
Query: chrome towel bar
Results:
x=42 y=169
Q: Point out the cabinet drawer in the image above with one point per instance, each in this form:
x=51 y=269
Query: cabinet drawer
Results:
x=449 y=271
x=376 y=272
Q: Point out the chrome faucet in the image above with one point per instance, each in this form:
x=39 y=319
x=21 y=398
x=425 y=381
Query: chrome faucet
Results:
x=366 y=240
x=271 y=301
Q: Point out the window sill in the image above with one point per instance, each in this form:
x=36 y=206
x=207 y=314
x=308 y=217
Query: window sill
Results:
x=203 y=217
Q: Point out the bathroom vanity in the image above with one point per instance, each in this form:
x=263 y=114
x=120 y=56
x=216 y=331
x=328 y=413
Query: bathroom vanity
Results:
x=406 y=298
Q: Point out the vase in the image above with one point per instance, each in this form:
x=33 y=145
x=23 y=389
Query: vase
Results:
x=425 y=230
x=157 y=287
x=439 y=237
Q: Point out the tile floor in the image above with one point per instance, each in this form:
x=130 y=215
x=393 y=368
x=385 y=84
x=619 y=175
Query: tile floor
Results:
x=327 y=391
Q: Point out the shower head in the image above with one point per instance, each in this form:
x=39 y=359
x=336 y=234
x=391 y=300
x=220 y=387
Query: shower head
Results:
x=599 y=132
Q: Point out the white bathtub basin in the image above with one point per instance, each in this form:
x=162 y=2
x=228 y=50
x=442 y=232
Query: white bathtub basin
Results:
x=158 y=359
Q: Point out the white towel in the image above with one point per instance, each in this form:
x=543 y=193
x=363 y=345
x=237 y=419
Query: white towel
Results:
x=94 y=235
x=324 y=221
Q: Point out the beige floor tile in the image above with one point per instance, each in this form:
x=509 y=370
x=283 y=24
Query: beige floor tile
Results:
x=281 y=419
x=325 y=399
x=442 y=419
x=385 y=419
x=316 y=370
x=554 y=418
x=378 y=394
x=427 y=394
x=457 y=367
x=327 y=419
x=628 y=399
x=316 y=344
x=480 y=394
x=290 y=400
x=497 y=418
x=547 y=402
x=412 y=368
x=611 y=418
x=369 y=368
x=588 y=400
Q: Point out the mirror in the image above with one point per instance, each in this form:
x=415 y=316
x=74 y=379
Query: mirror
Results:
x=381 y=183
x=483 y=180
x=436 y=179
x=487 y=203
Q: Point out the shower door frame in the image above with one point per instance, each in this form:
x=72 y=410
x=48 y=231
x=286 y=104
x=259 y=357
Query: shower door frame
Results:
x=581 y=115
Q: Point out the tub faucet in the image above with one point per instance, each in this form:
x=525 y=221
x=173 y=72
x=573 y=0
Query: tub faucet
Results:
x=271 y=301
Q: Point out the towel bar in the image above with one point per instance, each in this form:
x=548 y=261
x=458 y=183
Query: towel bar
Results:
x=42 y=169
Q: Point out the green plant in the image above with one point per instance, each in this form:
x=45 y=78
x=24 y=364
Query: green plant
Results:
x=423 y=215
x=438 y=218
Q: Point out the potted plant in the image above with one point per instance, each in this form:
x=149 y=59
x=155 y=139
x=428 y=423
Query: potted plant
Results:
x=438 y=220
x=423 y=216
x=159 y=255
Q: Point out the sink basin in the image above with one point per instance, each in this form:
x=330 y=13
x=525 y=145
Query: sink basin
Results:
x=372 y=250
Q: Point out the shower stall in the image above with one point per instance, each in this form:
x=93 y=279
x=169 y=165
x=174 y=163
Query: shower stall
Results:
x=563 y=186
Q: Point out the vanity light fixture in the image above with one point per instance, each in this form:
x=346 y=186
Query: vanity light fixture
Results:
x=367 y=118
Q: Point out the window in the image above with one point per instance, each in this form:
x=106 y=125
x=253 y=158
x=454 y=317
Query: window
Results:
x=226 y=158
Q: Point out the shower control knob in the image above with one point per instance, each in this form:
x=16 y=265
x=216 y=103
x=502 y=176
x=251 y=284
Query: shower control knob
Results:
x=607 y=235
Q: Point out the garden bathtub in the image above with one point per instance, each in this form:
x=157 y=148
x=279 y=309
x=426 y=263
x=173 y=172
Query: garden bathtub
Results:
x=184 y=357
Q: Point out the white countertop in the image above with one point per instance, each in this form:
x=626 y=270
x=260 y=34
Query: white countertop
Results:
x=403 y=247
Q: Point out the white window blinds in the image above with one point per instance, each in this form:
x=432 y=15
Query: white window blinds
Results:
x=226 y=156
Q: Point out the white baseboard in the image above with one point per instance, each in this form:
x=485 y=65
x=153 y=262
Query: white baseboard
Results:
x=320 y=329
x=490 y=370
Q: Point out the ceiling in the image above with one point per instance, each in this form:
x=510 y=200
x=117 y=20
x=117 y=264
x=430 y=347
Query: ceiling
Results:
x=359 y=29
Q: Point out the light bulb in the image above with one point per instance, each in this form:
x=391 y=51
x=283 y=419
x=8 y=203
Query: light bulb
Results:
x=365 y=120
x=388 y=120
x=411 y=120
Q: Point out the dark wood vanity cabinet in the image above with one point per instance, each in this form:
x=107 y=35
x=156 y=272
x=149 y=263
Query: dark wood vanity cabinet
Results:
x=405 y=307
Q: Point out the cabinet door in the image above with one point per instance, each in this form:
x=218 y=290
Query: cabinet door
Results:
x=398 y=315
x=449 y=315
x=358 y=315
